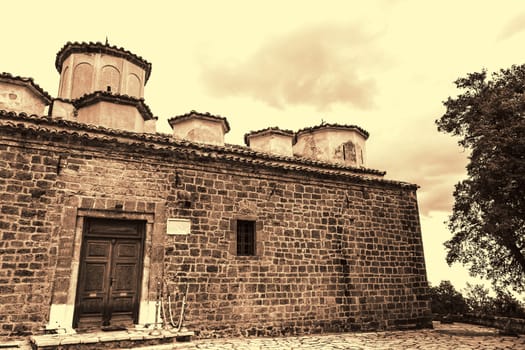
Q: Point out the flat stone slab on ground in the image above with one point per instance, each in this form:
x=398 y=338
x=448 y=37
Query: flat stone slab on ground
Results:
x=455 y=336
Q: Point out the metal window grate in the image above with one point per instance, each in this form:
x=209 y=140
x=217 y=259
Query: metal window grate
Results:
x=245 y=237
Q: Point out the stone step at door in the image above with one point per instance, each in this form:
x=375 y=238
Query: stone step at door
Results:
x=161 y=339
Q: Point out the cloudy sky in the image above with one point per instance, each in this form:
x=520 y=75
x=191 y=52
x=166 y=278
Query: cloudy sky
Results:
x=383 y=65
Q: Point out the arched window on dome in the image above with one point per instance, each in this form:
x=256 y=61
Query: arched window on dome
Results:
x=349 y=153
x=64 y=82
x=134 y=86
x=82 y=80
x=110 y=80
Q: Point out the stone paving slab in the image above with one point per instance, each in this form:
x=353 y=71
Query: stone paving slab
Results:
x=456 y=336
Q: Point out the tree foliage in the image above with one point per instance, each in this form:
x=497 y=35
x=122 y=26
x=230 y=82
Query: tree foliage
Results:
x=504 y=304
x=446 y=300
x=488 y=218
x=476 y=299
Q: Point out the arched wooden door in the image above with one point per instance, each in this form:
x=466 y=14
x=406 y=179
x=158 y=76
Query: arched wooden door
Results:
x=108 y=290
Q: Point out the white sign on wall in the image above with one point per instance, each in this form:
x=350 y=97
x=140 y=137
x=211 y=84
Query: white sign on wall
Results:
x=176 y=226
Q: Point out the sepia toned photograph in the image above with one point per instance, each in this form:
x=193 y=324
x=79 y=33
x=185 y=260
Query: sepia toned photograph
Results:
x=238 y=175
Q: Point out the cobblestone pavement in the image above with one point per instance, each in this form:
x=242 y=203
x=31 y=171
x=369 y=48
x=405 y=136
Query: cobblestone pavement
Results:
x=456 y=336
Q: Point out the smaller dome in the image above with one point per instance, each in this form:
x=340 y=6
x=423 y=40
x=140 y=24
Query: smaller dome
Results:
x=334 y=143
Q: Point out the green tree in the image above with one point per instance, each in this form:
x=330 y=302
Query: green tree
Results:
x=488 y=218
x=447 y=300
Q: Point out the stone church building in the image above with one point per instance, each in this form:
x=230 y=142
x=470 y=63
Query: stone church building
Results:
x=106 y=223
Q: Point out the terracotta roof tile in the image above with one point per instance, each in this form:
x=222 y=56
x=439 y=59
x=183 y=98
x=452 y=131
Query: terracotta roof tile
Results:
x=91 y=47
x=163 y=142
x=67 y=100
x=270 y=130
x=94 y=97
x=206 y=115
x=27 y=82
x=362 y=131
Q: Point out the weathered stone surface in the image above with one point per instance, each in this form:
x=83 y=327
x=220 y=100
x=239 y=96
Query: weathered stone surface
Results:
x=22 y=95
x=442 y=337
x=334 y=252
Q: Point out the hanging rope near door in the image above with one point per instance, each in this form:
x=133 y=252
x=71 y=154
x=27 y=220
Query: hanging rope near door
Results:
x=166 y=305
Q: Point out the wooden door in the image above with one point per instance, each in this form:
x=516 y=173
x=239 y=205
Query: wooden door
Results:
x=110 y=272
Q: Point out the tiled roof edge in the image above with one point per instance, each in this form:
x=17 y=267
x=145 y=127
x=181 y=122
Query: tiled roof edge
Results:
x=272 y=129
x=205 y=115
x=98 y=47
x=28 y=81
x=362 y=131
x=293 y=163
x=91 y=98
x=66 y=100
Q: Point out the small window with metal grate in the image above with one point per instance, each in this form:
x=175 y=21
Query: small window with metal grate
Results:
x=245 y=238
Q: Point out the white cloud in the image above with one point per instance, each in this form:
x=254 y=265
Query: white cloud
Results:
x=316 y=66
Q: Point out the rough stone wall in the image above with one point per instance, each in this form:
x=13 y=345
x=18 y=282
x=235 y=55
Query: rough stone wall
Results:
x=43 y=187
x=332 y=253
x=97 y=183
x=333 y=256
x=27 y=225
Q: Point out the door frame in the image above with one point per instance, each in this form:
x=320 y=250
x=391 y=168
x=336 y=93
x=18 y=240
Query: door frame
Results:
x=142 y=231
x=67 y=255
